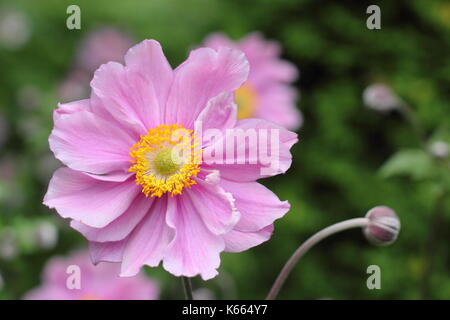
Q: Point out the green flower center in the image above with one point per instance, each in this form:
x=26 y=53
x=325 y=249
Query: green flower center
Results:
x=167 y=162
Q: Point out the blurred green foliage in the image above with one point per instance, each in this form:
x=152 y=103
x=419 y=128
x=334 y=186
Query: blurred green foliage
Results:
x=335 y=173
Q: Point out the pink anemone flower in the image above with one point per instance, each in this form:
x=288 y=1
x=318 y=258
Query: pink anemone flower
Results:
x=76 y=278
x=100 y=46
x=267 y=93
x=127 y=193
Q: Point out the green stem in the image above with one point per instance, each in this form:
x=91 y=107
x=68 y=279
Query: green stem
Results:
x=410 y=116
x=187 y=288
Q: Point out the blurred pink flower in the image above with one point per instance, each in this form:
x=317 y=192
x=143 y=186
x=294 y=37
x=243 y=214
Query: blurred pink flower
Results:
x=74 y=86
x=96 y=48
x=123 y=189
x=99 y=282
x=267 y=93
x=15 y=28
x=100 y=46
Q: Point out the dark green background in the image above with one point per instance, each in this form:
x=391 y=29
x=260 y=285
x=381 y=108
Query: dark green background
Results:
x=335 y=172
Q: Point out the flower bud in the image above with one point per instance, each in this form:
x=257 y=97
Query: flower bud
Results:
x=380 y=97
x=15 y=28
x=46 y=235
x=440 y=149
x=383 y=227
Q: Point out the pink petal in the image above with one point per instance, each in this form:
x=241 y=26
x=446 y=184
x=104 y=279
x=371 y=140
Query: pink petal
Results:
x=215 y=206
x=90 y=201
x=70 y=107
x=148 y=242
x=116 y=176
x=219 y=114
x=124 y=97
x=99 y=281
x=203 y=76
x=55 y=270
x=217 y=40
x=136 y=288
x=238 y=241
x=50 y=292
x=271 y=72
x=120 y=227
x=256 y=44
x=259 y=207
x=194 y=250
x=277 y=104
x=147 y=59
x=264 y=58
x=85 y=142
x=251 y=163
x=107 y=251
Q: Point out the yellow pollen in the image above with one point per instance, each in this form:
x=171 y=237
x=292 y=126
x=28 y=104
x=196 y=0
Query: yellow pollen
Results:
x=246 y=99
x=165 y=160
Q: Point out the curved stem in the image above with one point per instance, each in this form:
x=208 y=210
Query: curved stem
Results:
x=187 y=288
x=410 y=116
x=335 y=228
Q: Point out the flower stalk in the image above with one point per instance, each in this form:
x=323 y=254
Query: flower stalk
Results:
x=308 y=244
x=410 y=116
x=381 y=226
x=187 y=288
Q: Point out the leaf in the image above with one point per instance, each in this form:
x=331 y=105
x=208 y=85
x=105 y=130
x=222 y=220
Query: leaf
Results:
x=414 y=163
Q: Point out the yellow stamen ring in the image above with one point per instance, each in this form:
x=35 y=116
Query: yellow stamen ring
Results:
x=165 y=160
x=246 y=100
